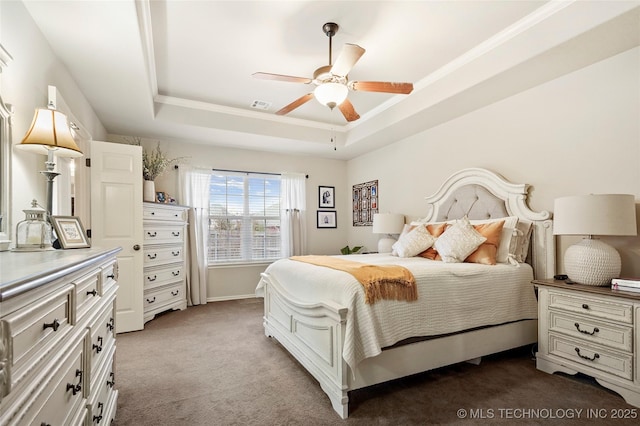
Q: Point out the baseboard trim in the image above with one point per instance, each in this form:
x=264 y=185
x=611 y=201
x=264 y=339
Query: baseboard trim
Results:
x=234 y=297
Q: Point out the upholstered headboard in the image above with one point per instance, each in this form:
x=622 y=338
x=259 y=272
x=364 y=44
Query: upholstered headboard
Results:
x=482 y=194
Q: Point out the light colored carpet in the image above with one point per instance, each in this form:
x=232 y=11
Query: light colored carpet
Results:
x=213 y=365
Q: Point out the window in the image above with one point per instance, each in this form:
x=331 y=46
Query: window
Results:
x=244 y=218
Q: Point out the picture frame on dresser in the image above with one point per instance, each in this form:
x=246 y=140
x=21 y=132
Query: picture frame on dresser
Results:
x=70 y=232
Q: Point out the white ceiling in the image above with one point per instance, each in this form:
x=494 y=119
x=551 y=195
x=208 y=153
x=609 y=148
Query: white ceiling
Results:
x=181 y=70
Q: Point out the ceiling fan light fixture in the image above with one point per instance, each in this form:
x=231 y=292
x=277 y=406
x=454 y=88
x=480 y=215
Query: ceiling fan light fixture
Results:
x=331 y=94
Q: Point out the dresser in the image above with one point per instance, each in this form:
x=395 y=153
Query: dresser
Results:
x=165 y=229
x=57 y=337
x=591 y=330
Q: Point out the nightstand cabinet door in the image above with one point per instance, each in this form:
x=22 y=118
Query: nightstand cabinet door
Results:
x=165 y=230
x=591 y=330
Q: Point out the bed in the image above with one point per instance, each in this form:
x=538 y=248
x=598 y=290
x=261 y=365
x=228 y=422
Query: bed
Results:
x=463 y=311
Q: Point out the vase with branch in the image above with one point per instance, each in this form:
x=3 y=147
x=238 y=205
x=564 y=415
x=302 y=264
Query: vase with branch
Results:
x=154 y=164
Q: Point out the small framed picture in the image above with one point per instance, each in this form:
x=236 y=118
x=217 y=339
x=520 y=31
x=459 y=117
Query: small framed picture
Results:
x=326 y=197
x=327 y=219
x=70 y=232
x=161 y=197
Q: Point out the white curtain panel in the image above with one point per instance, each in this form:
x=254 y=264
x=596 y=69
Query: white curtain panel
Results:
x=293 y=230
x=193 y=191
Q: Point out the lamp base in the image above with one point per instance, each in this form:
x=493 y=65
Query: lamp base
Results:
x=384 y=245
x=592 y=262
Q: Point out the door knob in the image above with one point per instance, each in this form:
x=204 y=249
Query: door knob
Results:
x=136 y=247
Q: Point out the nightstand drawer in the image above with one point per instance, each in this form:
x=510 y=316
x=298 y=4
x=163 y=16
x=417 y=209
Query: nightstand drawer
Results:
x=593 y=356
x=600 y=308
x=592 y=330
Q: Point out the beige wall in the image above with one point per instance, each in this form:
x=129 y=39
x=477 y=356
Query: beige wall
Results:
x=578 y=134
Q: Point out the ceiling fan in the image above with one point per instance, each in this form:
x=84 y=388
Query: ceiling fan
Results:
x=332 y=83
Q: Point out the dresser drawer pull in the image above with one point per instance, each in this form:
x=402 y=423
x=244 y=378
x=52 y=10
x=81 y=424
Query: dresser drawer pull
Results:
x=176 y=253
x=175 y=293
x=152 y=235
x=98 y=348
x=110 y=324
x=45 y=424
x=151 y=300
x=590 y=333
x=55 y=325
x=175 y=273
x=585 y=306
x=112 y=276
x=152 y=256
x=75 y=388
x=594 y=357
x=111 y=382
x=98 y=418
x=153 y=278
x=175 y=234
x=93 y=292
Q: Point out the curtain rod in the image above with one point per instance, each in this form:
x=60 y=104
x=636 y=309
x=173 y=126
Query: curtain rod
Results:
x=243 y=171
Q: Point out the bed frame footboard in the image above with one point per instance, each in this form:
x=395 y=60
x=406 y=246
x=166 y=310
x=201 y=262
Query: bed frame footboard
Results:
x=314 y=335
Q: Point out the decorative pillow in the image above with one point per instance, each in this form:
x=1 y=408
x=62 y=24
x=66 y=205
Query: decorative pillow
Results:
x=435 y=229
x=508 y=239
x=486 y=253
x=413 y=242
x=458 y=241
x=524 y=229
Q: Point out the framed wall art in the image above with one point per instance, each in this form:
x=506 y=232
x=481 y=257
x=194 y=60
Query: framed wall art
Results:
x=326 y=197
x=327 y=219
x=70 y=232
x=365 y=203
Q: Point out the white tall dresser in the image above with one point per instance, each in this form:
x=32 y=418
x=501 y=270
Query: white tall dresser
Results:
x=165 y=230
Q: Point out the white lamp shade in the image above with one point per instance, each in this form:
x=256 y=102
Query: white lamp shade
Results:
x=387 y=223
x=595 y=214
x=331 y=94
x=50 y=131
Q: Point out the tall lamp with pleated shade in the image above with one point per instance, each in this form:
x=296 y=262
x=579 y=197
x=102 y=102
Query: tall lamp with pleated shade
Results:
x=591 y=261
x=50 y=135
x=387 y=223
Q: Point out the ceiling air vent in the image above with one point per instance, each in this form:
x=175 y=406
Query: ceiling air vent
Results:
x=261 y=105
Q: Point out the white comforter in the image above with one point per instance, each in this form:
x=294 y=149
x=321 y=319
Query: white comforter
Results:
x=451 y=297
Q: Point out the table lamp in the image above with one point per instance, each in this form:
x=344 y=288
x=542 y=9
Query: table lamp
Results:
x=387 y=223
x=49 y=134
x=591 y=261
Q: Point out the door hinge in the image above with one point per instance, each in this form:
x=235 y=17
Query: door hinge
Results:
x=88 y=233
x=87 y=162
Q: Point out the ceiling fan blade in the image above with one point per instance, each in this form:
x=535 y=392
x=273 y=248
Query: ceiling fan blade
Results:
x=280 y=77
x=382 y=86
x=346 y=108
x=347 y=59
x=295 y=104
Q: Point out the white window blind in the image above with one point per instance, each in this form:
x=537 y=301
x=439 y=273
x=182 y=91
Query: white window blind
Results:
x=244 y=217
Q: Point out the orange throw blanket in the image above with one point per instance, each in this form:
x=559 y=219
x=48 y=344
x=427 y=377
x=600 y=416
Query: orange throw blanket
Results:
x=379 y=281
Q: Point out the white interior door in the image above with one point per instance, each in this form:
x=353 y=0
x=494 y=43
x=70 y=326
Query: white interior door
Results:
x=116 y=220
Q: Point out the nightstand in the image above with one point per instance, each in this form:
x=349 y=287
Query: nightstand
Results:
x=590 y=330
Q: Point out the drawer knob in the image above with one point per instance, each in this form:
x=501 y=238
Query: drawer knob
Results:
x=152 y=234
x=593 y=358
x=110 y=324
x=176 y=253
x=175 y=293
x=175 y=273
x=55 y=325
x=175 y=233
x=153 y=278
x=78 y=387
x=98 y=348
x=111 y=382
x=112 y=276
x=585 y=306
x=98 y=418
x=152 y=256
x=590 y=333
x=151 y=300
x=93 y=292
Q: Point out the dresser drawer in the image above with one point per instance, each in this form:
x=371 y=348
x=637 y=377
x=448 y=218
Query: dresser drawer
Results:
x=593 y=356
x=101 y=339
x=163 y=213
x=102 y=403
x=164 y=296
x=162 y=255
x=61 y=399
x=592 y=330
x=163 y=234
x=31 y=333
x=109 y=276
x=87 y=292
x=597 y=308
x=159 y=276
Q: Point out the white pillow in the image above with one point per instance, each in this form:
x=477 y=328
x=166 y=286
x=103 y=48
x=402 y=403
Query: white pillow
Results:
x=413 y=242
x=508 y=239
x=458 y=241
x=524 y=229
